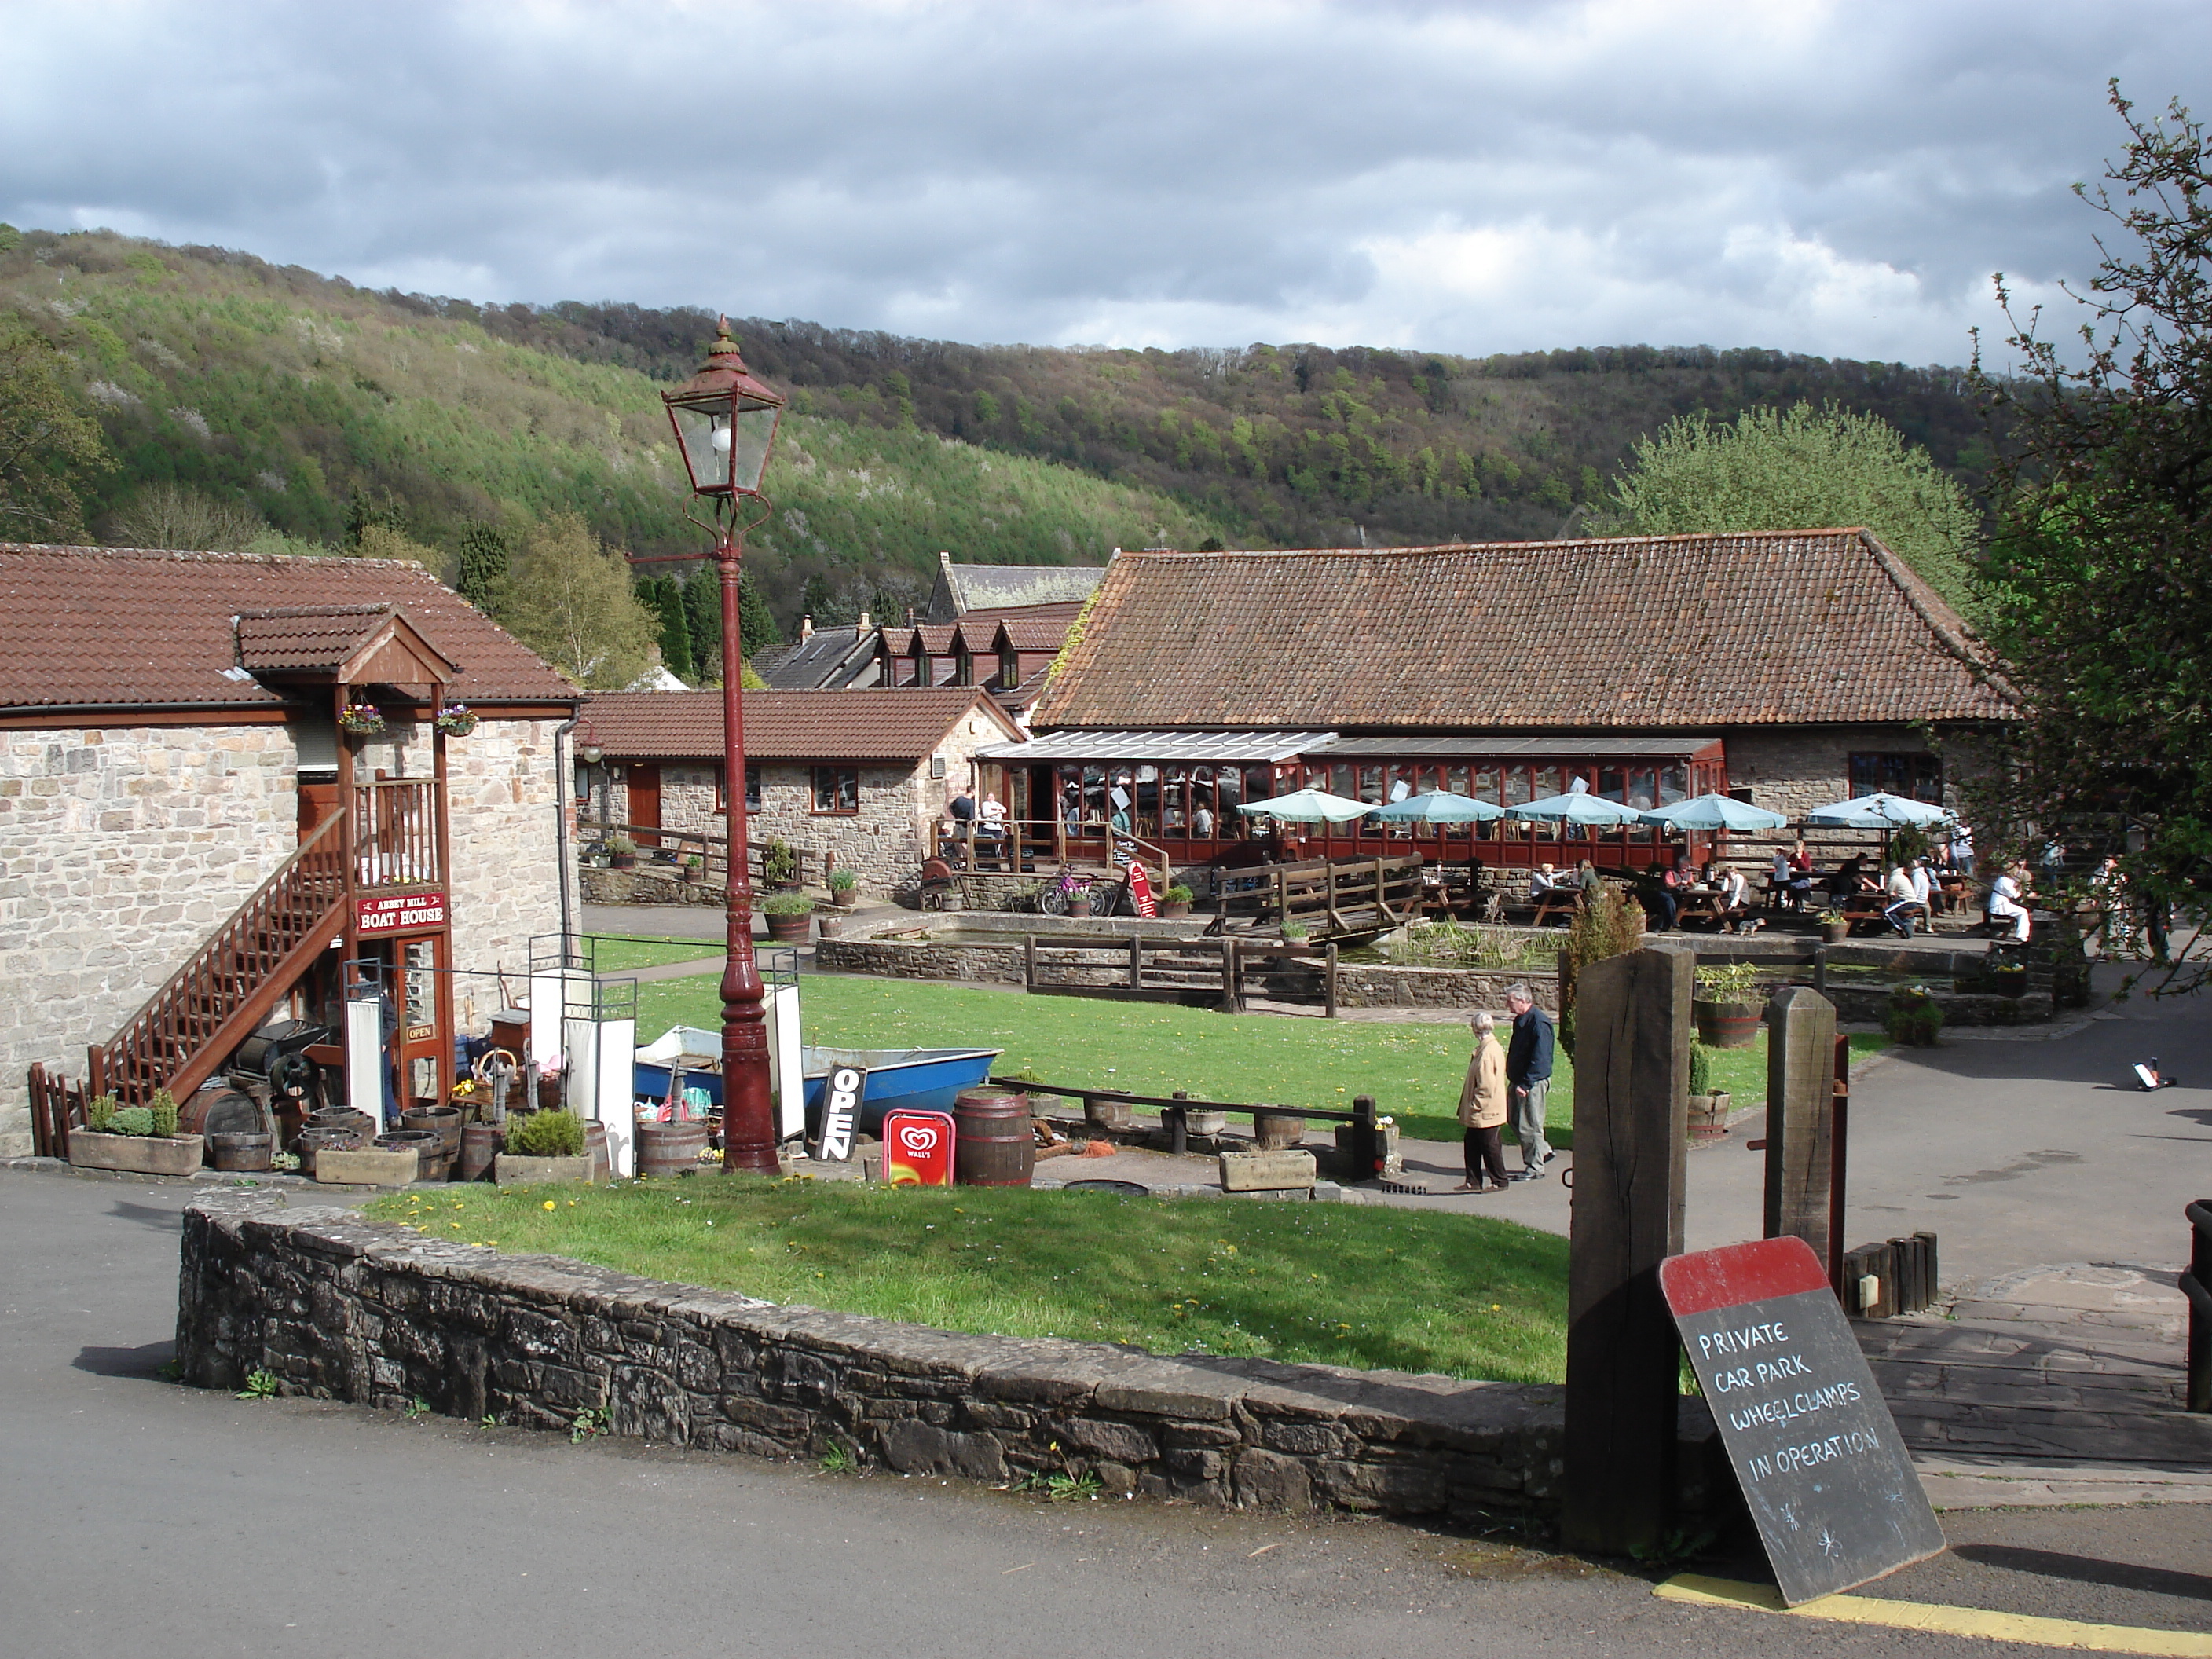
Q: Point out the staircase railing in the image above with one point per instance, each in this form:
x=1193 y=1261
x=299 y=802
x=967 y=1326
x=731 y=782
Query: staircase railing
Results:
x=229 y=984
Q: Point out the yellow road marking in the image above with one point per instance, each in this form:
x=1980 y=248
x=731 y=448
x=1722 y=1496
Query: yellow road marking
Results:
x=1942 y=1620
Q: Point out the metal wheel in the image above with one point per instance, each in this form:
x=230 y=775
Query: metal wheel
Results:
x=1052 y=899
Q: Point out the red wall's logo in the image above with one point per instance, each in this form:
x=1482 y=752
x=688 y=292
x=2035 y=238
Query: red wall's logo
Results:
x=917 y=1148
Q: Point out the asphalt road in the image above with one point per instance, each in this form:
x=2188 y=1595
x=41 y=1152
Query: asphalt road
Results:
x=153 y=1520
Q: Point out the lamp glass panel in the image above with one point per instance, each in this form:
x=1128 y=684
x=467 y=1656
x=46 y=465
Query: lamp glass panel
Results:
x=748 y=455
x=707 y=463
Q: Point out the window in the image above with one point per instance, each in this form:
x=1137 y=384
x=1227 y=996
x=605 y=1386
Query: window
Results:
x=752 y=790
x=1919 y=777
x=837 y=789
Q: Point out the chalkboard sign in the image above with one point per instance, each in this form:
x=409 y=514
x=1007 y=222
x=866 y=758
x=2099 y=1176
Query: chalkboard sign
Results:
x=843 y=1092
x=1823 y=1469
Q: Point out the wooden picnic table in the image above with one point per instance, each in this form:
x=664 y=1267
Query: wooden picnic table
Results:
x=1704 y=902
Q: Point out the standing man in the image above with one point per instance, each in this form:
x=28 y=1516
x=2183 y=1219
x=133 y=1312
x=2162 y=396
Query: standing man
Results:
x=962 y=810
x=1482 y=1110
x=1529 y=1079
x=991 y=827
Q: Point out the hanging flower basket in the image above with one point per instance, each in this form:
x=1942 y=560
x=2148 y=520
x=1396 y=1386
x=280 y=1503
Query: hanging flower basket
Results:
x=362 y=719
x=455 y=720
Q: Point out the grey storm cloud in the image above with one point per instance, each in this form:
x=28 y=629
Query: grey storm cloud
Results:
x=1838 y=179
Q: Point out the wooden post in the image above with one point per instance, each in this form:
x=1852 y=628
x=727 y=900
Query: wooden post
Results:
x=1178 y=1123
x=1029 y=963
x=1365 y=1154
x=1329 y=982
x=1801 y=1100
x=1136 y=962
x=1624 y=1359
x=1820 y=968
x=1232 y=1002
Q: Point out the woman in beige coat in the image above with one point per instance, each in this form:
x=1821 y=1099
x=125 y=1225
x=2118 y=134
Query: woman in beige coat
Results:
x=1482 y=1110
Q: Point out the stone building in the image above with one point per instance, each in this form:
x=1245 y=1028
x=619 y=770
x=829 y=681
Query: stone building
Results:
x=1792 y=668
x=176 y=792
x=859 y=776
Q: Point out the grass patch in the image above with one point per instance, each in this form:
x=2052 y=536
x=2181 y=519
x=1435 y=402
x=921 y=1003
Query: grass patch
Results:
x=623 y=953
x=1340 y=1284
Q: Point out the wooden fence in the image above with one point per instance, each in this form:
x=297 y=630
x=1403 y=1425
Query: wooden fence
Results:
x=1211 y=971
x=56 y=1107
x=668 y=852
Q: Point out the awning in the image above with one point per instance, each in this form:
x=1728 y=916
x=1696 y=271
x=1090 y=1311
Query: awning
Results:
x=1202 y=746
x=1562 y=747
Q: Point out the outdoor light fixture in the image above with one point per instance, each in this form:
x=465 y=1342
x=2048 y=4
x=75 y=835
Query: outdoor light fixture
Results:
x=725 y=421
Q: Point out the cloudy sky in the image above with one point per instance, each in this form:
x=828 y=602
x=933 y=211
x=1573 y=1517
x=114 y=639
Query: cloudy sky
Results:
x=1836 y=178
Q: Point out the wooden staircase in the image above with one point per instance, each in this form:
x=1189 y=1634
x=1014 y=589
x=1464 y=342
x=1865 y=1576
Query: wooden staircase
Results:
x=233 y=981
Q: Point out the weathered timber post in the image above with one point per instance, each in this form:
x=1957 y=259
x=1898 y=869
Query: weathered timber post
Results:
x=1232 y=1001
x=1632 y=1148
x=1820 y=968
x=1136 y=962
x=1029 y=963
x=1177 y=1121
x=1366 y=1153
x=1800 y=1120
x=1329 y=982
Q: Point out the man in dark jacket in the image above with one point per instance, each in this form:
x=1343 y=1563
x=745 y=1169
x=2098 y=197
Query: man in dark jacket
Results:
x=1528 y=1079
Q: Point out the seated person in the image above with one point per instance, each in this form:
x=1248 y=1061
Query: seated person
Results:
x=2008 y=905
x=1904 y=905
x=1659 y=893
x=1735 y=900
x=1849 y=878
x=1541 y=881
x=1590 y=882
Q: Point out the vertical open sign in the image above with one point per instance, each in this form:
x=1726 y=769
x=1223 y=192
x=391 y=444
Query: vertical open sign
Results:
x=843 y=1092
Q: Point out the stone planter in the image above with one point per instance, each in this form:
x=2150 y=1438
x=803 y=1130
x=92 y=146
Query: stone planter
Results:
x=513 y=1169
x=1709 y=1115
x=789 y=930
x=1727 y=1025
x=1277 y=1131
x=368 y=1166
x=137 y=1154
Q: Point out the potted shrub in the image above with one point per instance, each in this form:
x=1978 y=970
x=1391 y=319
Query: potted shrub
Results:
x=142 y=1139
x=621 y=852
x=779 y=865
x=2008 y=979
x=1912 y=1016
x=1725 y=1007
x=844 y=889
x=1175 y=902
x=1835 y=927
x=543 y=1147
x=788 y=917
x=694 y=867
x=1708 y=1107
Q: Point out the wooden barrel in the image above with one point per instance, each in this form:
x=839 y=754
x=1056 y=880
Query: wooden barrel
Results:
x=444 y=1122
x=313 y=1140
x=595 y=1145
x=992 y=1143
x=220 y=1111
x=1273 y=1132
x=1727 y=1025
x=479 y=1145
x=228 y=1150
x=668 y=1150
x=346 y=1119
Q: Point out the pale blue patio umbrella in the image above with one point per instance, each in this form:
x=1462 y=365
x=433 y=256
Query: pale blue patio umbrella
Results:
x=1307 y=806
x=1439 y=806
x=1577 y=807
x=1716 y=812
x=1879 y=810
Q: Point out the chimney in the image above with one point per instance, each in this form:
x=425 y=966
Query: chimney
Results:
x=806 y=628
x=864 y=623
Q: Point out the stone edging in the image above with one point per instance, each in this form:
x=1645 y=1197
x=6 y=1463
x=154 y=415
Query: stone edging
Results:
x=341 y=1308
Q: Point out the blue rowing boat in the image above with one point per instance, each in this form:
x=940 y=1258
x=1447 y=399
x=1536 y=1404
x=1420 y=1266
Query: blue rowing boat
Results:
x=919 y=1079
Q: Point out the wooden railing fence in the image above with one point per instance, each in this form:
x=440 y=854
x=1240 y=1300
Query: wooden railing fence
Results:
x=662 y=851
x=56 y=1107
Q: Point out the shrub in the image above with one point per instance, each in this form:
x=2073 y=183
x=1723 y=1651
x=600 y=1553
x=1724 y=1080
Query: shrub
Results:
x=546 y=1134
x=1179 y=894
x=98 y=1113
x=131 y=1120
x=1728 y=982
x=779 y=862
x=619 y=845
x=1610 y=927
x=1701 y=1069
x=164 y=1109
x=1912 y=1016
x=787 y=904
x=842 y=881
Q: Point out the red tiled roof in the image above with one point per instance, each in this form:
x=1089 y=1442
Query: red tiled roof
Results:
x=872 y=724
x=1023 y=633
x=83 y=627
x=1769 y=627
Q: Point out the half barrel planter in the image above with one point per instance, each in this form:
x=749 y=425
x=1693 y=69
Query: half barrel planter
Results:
x=153 y=1155
x=1727 y=1025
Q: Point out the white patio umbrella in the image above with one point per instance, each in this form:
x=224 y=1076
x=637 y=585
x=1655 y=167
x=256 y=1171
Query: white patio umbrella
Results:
x=1879 y=810
x=1716 y=812
x=1575 y=808
x=1308 y=806
x=1439 y=806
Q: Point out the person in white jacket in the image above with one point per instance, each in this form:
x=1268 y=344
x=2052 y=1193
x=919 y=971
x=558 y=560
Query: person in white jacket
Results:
x=1907 y=900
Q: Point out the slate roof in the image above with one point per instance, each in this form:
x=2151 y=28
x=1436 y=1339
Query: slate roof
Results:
x=827 y=656
x=1680 y=632
x=109 y=627
x=962 y=588
x=872 y=725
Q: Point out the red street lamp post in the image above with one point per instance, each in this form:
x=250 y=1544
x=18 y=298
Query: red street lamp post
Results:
x=726 y=423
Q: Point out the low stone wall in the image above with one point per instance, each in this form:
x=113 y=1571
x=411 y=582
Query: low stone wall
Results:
x=1377 y=985
x=893 y=959
x=647 y=885
x=341 y=1308
x=1866 y=1004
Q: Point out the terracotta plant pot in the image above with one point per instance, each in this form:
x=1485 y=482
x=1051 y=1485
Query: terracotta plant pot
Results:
x=1727 y=1025
x=1835 y=932
x=137 y=1154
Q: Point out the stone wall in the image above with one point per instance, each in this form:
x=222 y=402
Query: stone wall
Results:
x=890 y=958
x=120 y=850
x=1377 y=985
x=340 y=1308
x=1798 y=768
x=503 y=788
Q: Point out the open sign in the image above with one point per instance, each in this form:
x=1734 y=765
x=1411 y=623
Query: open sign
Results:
x=918 y=1149
x=843 y=1091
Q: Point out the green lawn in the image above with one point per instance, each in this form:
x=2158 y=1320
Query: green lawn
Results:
x=1413 y=1071
x=623 y=953
x=1340 y=1285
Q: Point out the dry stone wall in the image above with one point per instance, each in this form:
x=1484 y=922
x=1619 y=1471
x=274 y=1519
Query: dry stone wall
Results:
x=341 y=1308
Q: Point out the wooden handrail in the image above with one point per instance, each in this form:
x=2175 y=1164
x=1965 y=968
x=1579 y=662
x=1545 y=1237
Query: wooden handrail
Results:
x=814 y=866
x=224 y=988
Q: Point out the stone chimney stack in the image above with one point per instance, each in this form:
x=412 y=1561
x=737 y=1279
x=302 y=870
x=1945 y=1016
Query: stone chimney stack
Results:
x=806 y=628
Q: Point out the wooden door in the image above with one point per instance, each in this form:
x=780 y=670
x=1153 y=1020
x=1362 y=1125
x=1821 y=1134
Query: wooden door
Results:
x=644 y=785
x=319 y=803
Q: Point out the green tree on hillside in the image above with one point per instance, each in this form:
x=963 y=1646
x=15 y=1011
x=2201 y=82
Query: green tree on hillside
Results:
x=484 y=555
x=571 y=602
x=2097 y=590
x=50 y=448
x=379 y=541
x=756 y=629
x=702 y=624
x=1799 y=468
x=663 y=597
